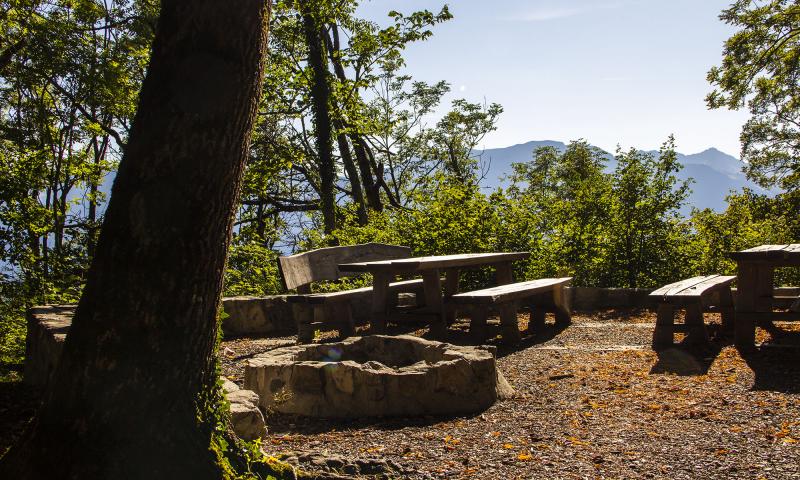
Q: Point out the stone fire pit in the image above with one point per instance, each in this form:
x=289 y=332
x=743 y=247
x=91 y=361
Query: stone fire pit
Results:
x=376 y=376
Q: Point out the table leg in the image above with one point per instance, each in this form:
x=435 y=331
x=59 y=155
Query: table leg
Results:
x=663 y=335
x=726 y=309
x=380 y=301
x=450 y=289
x=509 y=328
x=477 y=324
x=433 y=299
x=504 y=274
x=746 y=299
x=764 y=288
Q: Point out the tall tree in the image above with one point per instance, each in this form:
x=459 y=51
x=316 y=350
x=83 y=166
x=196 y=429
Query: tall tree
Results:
x=126 y=397
x=761 y=70
x=321 y=98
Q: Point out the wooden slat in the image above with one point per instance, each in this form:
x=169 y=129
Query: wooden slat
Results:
x=693 y=287
x=766 y=248
x=319 y=298
x=509 y=292
x=672 y=288
x=322 y=264
x=434 y=262
x=778 y=253
x=706 y=286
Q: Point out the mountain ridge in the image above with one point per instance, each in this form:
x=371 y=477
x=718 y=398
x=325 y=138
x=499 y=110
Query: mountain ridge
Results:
x=715 y=173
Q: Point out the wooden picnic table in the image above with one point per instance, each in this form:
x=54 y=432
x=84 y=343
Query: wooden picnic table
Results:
x=430 y=269
x=755 y=287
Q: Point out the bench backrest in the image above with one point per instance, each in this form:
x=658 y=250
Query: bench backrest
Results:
x=302 y=269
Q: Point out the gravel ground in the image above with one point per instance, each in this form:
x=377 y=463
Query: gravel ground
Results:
x=592 y=401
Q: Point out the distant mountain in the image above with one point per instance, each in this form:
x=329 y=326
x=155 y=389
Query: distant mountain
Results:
x=715 y=173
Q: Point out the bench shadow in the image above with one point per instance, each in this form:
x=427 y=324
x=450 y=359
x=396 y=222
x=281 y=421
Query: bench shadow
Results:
x=685 y=360
x=776 y=363
x=458 y=334
x=688 y=359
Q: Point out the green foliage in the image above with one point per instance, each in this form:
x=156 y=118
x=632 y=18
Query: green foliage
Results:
x=619 y=229
x=69 y=80
x=252 y=269
x=761 y=70
x=12 y=329
x=647 y=239
x=570 y=196
x=748 y=221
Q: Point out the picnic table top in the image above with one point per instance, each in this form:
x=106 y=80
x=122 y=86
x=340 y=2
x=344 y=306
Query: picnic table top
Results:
x=461 y=260
x=787 y=252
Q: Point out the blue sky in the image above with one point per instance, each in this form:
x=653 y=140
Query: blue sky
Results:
x=627 y=72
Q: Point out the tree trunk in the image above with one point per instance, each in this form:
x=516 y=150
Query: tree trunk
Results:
x=355 y=182
x=373 y=196
x=320 y=98
x=124 y=398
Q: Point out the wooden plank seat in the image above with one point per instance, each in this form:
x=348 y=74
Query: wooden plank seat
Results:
x=333 y=310
x=690 y=295
x=542 y=295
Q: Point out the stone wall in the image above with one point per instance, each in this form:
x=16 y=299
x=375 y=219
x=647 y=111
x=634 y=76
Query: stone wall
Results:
x=272 y=315
x=47 y=329
x=595 y=298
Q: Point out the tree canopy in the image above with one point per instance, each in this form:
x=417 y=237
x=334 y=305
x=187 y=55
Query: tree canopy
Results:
x=760 y=70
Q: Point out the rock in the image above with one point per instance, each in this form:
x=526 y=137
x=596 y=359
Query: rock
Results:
x=330 y=467
x=377 y=376
x=228 y=386
x=246 y=418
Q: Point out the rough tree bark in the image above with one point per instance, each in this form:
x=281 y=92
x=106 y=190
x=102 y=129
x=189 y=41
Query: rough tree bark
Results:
x=123 y=403
x=320 y=98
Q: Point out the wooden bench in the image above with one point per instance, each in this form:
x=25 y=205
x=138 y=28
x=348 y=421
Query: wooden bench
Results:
x=313 y=311
x=689 y=295
x=543 y=295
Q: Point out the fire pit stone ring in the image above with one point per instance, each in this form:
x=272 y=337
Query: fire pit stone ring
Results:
x=375 y=376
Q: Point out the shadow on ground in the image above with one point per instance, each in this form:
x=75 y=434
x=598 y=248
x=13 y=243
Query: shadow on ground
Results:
x=278 y=424
x=18 y=403
x=685 y=360
x=776 y=362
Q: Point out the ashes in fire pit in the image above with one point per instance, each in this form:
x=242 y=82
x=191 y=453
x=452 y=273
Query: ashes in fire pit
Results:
x=377 y=375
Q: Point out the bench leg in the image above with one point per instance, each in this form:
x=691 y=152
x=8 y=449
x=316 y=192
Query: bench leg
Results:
x=665 y=326
x=509 y=327
x=450 y=289
x=537 y=321
x=433 y=299
x=344 y=319
x=380 y=302
x=303 y=317
x=695 y=328
x=477 y=323
x=726 y=309
x=562 y=307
